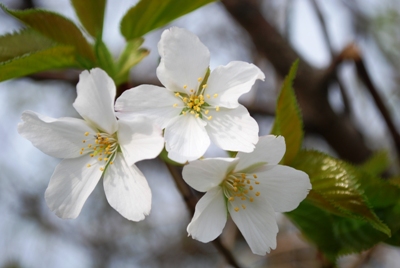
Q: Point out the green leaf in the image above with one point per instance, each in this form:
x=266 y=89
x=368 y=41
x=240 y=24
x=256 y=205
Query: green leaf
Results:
x=91 y=15
x=55 y=27
x=131 y=56
x=19 y=43
x=52 y=58
x=336 y=236
x=288 y=121
x=338 y=184
x=105 y=59
x=149 y=15
x=377 y=164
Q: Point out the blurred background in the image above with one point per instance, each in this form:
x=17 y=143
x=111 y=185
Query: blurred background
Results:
x=342 y=117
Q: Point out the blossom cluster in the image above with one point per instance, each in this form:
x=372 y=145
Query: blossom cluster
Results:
x=195 y=107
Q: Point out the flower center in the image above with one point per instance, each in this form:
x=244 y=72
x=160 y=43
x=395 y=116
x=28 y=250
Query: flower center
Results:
x=240 y=186
x=104 y=148
x=194 y=101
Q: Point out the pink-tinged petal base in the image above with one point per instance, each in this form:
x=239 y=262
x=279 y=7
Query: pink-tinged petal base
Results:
x=71 y=184
x=210 y=216
x=127 y=190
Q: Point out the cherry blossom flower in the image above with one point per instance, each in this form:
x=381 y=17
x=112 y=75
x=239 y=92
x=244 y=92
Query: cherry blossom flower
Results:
x=251 y=188
x=97 y=146
x=195 y=106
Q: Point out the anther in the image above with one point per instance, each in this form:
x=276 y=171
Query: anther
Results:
x=111 y=162
x=236 y=209
x=248 y=181
x=206 y=111
x=235 y=189
x=217 y=108
x=184 y=86
x=209 y=118
x=89 y=145
x=101 y=169
x=215 y=95
x=192 y=90
x=257 y=182
x=100 y=159
x=251 y=199
x=205 y=85
x=177 y=94
x=83 y=141
x=231 y=198
x=199 y=79
x=91 y=155
x=80 y=152
x=257 y=193
x=197 y=115
x=88 y=165
x=243 y=198
x=208 y=96
x=254 y=176
x=86 y=133
x=175 y=105
x=243 y=206
x=251 y=188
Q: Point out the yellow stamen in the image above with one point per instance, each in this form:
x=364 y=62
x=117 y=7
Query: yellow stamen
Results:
x=251 y=188
x=177 y=94
x=236 y=209
x=251 y=199
x=243 y=206
x=231 y=198
x=184 y=86
x=91 y=155
x=208 y=96
x=86 y=133
x=257 y=193
x=205 y=85
x=88 y=165
x=257 y=182
x=111 y=162
x=197 y=115
x=215 y=95
x=175 y=105
x=254 y=176
x=199 y=79
x=101 y=169
x=217 y=108
x=209 y=118
x=206 y=111
x=83 y=141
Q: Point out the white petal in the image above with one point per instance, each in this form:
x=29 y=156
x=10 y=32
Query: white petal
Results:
x=139 y=139
x=210 y=216
x=230 y=82
x=152 y=101
x=71 y=184
x=257 y=223
x=127 y=190
x=183 y=60
x=95 y=101
x=61 y=138
x=202 y=175
x=269 y=150
x=233 y=129
x=284 y=187
x=186 y=139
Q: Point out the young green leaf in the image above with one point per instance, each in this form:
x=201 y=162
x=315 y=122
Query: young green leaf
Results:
x=377 y=164
x=288 y=120
x=337 y=183
x=149 y=15
x=52 y=58
x=55 y=27
x=91 y=15
x=131 y=56
x=19 y=43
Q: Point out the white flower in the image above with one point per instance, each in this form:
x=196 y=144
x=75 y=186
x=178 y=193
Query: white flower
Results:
x=98 y=146
x=252 y=187
x=195 y=107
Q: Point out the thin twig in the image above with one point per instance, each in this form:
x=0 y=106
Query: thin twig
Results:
x=365 y=77
x=343 y=91
x=190 y=201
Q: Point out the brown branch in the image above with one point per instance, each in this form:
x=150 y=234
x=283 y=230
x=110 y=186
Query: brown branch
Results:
x=190 y=201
